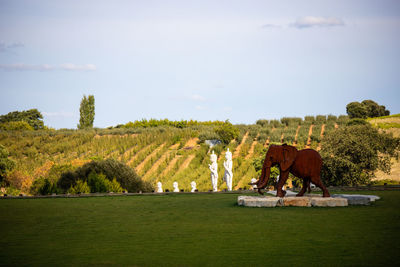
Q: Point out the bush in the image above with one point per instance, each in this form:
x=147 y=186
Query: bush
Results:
x=366 y=108
x=227 y=132
x=6 y=164
x=44 y=186
x=262 y=122
x=80 y=188
x=352 y=154
x=356 y=122
x=309 y=119
x=16 y=126
x=111 y=168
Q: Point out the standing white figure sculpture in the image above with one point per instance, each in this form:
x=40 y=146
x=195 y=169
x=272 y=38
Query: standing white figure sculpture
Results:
x=228 y=170
x=159 y=187
x=193 y=185
x=214 y=171
x=175 y=185
x=253 y=180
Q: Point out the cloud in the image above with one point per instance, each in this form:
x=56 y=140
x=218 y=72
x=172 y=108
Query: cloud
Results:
x=198 y=97
x=5 y=47
x=310 y=21
x=46 y=67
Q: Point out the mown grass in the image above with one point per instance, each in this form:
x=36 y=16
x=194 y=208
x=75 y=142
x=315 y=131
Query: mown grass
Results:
x=196 y=230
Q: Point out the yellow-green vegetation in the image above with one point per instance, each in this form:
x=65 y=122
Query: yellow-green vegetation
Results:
x=196 y=230
x=156 y=153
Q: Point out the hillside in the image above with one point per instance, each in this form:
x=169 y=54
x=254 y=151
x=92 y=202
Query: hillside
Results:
x=389 y=124
x=165 y=154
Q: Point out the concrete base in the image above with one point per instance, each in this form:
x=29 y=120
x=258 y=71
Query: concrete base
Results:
x=358 y=199
x=249 y=201
x=270 y=202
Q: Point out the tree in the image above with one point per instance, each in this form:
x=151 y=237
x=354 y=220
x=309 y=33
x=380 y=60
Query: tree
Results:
x=227 y=132
x=86 y=111
x=33 y=117
x=366 y=108
x=352 y=154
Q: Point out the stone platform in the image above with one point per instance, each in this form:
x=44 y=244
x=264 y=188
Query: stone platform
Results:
x=305 y=201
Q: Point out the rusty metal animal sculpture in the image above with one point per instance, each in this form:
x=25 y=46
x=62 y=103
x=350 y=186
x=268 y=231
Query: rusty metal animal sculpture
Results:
x=305 y=164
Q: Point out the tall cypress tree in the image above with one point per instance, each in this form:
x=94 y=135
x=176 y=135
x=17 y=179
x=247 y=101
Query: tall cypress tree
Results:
x=87 y=112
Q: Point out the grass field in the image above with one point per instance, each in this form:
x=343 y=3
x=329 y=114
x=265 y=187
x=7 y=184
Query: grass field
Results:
x=196 y=230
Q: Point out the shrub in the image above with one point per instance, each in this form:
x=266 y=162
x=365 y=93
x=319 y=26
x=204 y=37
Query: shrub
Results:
x=352 y=154
x=6 y=164
x=111 y=168
x=356 y=122
x=262 y=122
x=309 y=119
x=16 y=126
x=320 y=119
x=80 y=187
x=44 y=186
x=332 y=118
x=227 y=132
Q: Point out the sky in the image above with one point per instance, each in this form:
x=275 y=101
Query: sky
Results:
x=202 y=60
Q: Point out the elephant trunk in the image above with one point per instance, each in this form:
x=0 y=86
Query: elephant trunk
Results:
x=263 y=181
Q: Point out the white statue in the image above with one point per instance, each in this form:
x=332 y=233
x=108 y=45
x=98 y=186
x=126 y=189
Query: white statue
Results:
x=175 y=185
x=277 y=180
x=228 y=170
x=159 y=187
x=214 y=171
x=193 y=185
x=253 y=180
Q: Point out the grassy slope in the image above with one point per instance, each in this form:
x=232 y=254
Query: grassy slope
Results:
x=196 y=230
x=389 y=124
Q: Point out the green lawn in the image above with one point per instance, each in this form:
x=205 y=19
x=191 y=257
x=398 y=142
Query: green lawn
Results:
x=196 y=230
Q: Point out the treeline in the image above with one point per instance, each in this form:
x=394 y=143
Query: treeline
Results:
x=22 y=120
x=295 y=121
x=144 y=123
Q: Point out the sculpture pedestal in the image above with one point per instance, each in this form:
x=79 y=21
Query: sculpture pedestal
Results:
x=306 y=201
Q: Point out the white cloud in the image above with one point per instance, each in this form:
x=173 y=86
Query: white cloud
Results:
x=198 y=98
x=310 y=21
x=46 y=67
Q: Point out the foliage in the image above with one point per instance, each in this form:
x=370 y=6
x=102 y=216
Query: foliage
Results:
x=262 y=122
x=227 y=132
x=208 y=134
x=6 y=164
x=43 y=186
x=18 y=179
x=100 y=183
x=291 y=121
x=144 y=123
x=16 y=126
x=366 y=108
x=33 y=117
x=86 y=111
x=80 y=187
x=309 y=119
x=111 y=168
x=356 y=122
x=352 y=154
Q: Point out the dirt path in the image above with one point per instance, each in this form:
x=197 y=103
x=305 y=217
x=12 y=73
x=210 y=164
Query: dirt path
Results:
x=322 y=136
x=239 y=147
x=297 y=134
x=191 y=143
x=309 y=136
x=139 y=168
x=159 y=161
x=186 y=163
x=251 y=151
x=170 y=165
x=131 y=160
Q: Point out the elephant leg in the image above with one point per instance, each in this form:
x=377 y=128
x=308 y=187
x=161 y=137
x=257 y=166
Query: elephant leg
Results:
x=282 y=180
x=306 y=181
x=317 y=181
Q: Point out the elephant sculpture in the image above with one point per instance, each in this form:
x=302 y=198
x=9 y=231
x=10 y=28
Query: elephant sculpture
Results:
x=305 y=164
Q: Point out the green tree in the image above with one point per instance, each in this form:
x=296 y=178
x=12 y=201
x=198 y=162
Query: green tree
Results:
x=86 y=111
x=33 y=117
x=366 y=108
x=6 y=164
x=227 y=132
x=352 y=154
